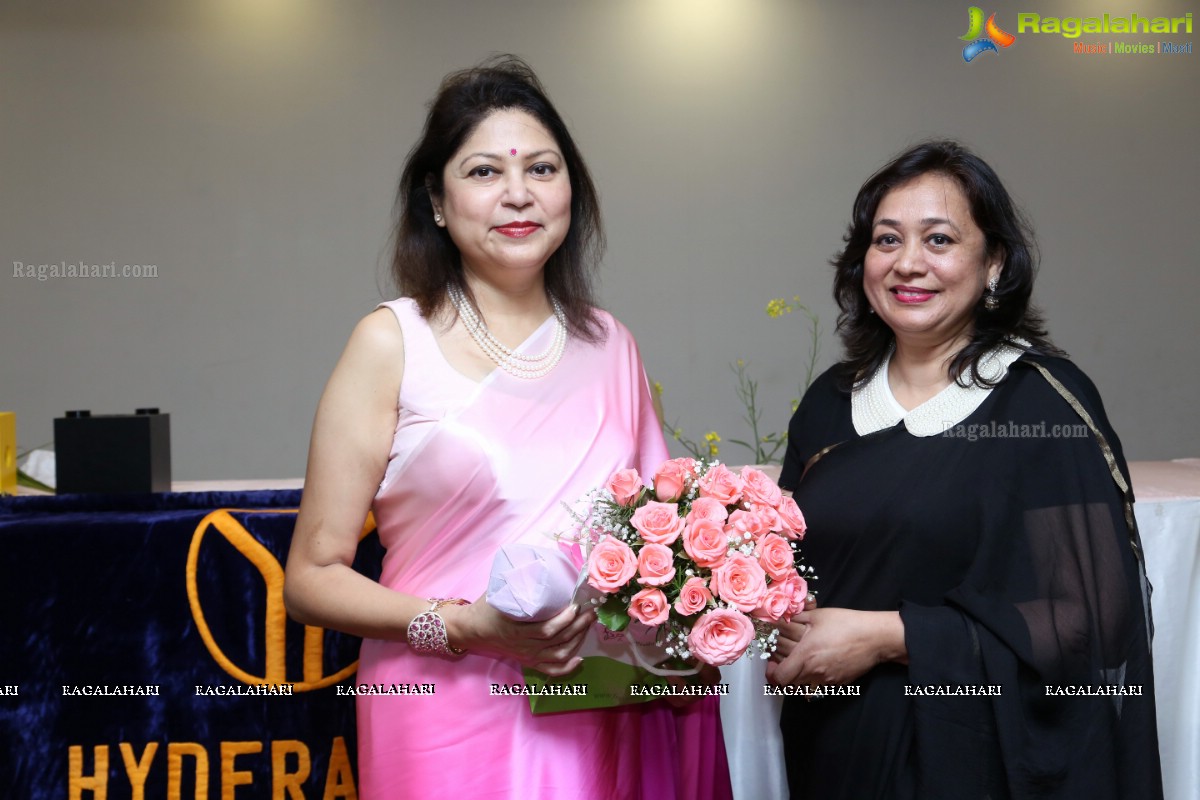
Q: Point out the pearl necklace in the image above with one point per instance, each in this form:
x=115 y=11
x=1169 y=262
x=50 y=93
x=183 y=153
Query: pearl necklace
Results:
x=519 y=365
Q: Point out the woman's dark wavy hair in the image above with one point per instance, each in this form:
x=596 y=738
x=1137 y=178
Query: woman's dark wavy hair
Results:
x=425 y=262
x=867 y=339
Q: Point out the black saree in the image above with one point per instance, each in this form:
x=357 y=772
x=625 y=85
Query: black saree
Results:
x=1004 y=544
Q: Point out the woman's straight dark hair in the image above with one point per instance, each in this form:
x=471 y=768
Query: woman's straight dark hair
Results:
x=425 y=261
x=867 y=339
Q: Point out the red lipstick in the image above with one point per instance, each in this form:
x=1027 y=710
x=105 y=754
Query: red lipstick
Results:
x=518 y=229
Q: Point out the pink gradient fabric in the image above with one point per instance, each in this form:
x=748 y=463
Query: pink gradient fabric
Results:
x=475 y=466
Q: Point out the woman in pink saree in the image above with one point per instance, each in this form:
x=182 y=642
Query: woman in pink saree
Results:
x=464 y=414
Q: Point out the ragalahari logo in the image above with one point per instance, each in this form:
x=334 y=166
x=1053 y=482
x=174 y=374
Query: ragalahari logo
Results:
x=978 y=44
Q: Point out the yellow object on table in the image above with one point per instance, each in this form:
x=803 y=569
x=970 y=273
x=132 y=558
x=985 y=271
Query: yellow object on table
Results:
x=8 y=452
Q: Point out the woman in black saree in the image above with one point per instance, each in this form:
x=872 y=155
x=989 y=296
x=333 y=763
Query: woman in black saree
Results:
x=970 y=519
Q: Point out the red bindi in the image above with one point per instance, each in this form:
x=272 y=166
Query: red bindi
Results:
x=512 y=152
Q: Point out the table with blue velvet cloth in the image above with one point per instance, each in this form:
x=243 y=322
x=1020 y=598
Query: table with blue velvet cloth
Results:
x=144 y=645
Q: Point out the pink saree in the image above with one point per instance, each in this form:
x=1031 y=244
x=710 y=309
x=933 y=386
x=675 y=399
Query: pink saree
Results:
x=475 y=466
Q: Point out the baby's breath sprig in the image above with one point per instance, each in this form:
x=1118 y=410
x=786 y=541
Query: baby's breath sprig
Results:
x=677 y=643
x=765 y=643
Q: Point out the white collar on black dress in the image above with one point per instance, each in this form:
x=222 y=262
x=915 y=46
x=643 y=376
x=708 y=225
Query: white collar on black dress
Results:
x=874 y=407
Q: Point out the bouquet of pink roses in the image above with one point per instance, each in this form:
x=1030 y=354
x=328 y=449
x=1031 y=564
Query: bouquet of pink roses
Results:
x=705 y=555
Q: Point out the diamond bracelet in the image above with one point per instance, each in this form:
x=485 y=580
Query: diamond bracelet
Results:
x=427 y=631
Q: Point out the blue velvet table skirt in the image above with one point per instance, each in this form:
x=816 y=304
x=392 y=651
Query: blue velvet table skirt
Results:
x=145 y=652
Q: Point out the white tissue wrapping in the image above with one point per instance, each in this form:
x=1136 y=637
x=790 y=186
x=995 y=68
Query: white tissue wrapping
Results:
x=531 y=583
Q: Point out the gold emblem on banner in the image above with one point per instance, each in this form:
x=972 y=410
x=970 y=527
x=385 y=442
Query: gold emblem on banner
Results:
x=275 y=634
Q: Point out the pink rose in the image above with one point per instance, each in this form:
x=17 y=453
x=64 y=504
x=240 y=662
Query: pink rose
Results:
x=625 y=486
x=721 y=485
x=655 y=565
x=611 y=564
x=758 y=488
x=793 y=520
x=706 y=542
x=776 y=556
x=740 y=581
x=708 y=508
x=796 y=589
x=658 y=523
x=649 y=607
x=774 y=605
x=672 y=478
x=720 y=637
x=776 y=521
x=749 y=526
x=693 y=597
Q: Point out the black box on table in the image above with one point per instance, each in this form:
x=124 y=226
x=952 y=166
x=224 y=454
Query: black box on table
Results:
x=113 y=452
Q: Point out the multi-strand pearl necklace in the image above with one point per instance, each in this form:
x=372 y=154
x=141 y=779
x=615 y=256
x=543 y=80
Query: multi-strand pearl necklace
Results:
x=516 y=364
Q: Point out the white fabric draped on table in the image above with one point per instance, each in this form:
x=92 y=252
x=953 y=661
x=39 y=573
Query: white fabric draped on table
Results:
x=1168 y=516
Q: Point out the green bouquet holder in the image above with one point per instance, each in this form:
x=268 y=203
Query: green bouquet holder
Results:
x=609 y=683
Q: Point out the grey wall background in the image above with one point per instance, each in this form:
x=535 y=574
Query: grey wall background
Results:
x=249 y=150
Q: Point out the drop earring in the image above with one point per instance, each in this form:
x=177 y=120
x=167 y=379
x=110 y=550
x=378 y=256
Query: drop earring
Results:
x=990 y=301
